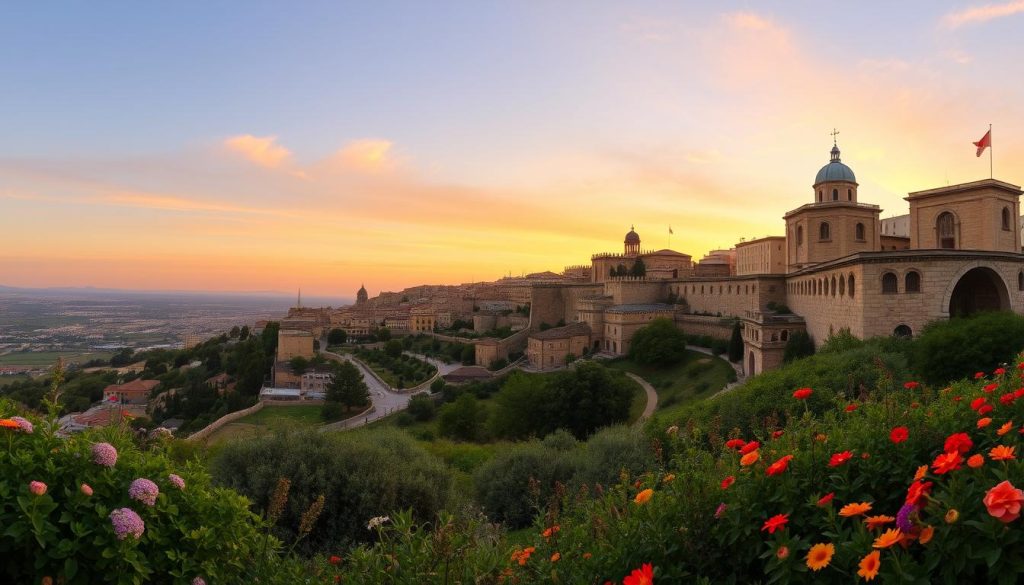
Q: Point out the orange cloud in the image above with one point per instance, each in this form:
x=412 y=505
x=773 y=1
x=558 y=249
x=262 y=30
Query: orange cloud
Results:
x=367 y=155
x=262 y=150
x=979 y=14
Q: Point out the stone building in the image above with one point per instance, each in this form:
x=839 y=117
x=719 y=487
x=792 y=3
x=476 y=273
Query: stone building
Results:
x=550 y=349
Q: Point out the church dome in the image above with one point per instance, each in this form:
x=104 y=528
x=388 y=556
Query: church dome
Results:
x=632 y=237
x=835 y=170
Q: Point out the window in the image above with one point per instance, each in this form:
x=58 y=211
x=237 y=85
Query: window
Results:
x=1020 y=280
x=912 y=282
x=889 y=285
x=860 y=232
x=785 y=334
x=833 y=286
x=824 y=232
x=902 y=331
x=800 y=235
x=849 y=194
x=835 y=194
x=842 y=286
x=1006 y=218
x=820 y=196
x=945 y=227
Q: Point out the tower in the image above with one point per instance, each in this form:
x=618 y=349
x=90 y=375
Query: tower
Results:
x=361 y=296
x=632 y=242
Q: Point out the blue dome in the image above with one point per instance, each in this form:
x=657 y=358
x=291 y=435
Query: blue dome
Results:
x=835 y=170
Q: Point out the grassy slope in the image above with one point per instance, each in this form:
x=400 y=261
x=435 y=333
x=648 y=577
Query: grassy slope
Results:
x=268 y=420
x=698 y=376
x=48 y=358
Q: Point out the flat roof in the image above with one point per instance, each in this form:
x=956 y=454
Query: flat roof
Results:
x=640 y=308
x=961 y=187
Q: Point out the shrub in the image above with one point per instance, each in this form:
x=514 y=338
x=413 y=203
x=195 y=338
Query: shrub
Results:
x=660 y=343
x=463 y=419
x=421 y=407
x=950 y=350
x=799 y=345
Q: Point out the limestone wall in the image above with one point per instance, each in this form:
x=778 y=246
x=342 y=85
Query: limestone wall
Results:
x=731 y=296
x=716 y=327
x=227 y=418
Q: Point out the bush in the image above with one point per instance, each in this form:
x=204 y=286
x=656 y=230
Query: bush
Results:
x=660 y=343
x=954 y=349
x=799 y=346
x=421 y=407
x=463 y=419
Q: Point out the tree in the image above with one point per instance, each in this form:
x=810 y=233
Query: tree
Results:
x=336 y=337
x=382 y=334
x=421 y=407
x=660 y=343
x=463 y=419
x=736 y=344
x=235 y=332
x=122 y=358
x=269 y=337
x=799 y=345
x=639 y=268
x=468 y=354
x=244 y=333
x=299 y=365
x=347 y=386
x=393 y=348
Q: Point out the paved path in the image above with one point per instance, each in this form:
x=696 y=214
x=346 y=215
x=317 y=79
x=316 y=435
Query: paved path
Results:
x=442 y=368
x=652 y=396
x=385 y=401
x=741 y=377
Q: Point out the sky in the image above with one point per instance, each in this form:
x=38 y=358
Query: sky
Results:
x=270 y=146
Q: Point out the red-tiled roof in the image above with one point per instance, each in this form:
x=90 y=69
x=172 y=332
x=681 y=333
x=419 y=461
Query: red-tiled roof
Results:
x=133 y=387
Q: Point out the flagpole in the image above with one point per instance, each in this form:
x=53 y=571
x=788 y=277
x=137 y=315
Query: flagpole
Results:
x=990 y=174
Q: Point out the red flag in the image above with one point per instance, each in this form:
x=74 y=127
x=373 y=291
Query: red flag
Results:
x=985 y=142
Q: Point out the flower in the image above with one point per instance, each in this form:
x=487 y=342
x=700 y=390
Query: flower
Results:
x=643 y=496
x=979 y=375
x=1007 y=427
x=838 y=459
x=777 y=434
x=984 y=422
x=802 y=393
x=869 y=565
x=127 y=522
x=37 y=487
x=334 y=560
x=669 y=478
x=779 y=466
x=720 y=510
x=750 y=458
x=918 y=491
x=750 y=447
x=198 y=581
x=521 y=556
x=821 y=437
x=782 y=552
x=947 y=462
x=989 y=388
x=826 y=499
x=888 y=538
x=104 y=454
x=874 y=522
x=8 y=423
x=820 y=556
x=587 y=555
x=1003 y=502
x=975 y=461
x=672 y=430
x=728 y=481
x=904 y=520
x=952 y=516
x=855 y=509
x=920 y=473
x=911 y=385
x=775 y=523
x=176 y=481
x=851 y=407
x=85 y=489
x=926 y=535
x=1008 y=398
x=1002 y=453
x=999 y=371
x=959 y=442
x=377 y=521
x=735 y=443
x=985 y=409
x=642 y=576
x=24 y=425
x=144 y=491
x=550 y=530
x=978 y=402
x=555 y=557
x=899 y=434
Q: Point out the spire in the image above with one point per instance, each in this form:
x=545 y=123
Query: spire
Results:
x=300 y=299
x=835 y=146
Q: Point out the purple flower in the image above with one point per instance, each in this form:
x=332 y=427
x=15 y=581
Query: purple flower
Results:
x=104 y=454
x=177 y=482
x=126 y=522
x=23 y=425
x=721 y=510
x=144 y=491
x=903 y=518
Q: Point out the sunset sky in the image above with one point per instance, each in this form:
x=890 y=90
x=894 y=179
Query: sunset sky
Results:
x=242 y=146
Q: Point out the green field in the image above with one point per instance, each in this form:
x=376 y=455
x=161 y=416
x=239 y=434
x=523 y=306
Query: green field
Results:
x=5 y=380
x=269 y=419
x=48 y=358
x=697 y=376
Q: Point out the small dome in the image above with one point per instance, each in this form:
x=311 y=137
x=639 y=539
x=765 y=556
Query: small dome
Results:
x=835 y=170
x=632 y=237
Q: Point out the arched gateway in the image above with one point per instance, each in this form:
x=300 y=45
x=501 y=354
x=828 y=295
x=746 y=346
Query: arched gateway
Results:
x=979 y=289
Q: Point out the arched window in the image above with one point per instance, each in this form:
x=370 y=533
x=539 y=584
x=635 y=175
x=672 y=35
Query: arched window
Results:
x=833 y=286
x=860 y=232
x=945 y=227
x=1006 y=218
x=835 y=194
x=824 y=232
x=800 y=235
x=1020 y=280
x=889 y=283
x=821 y=197
x=785 y=335
x=912 y=282
x=902 y=331
x=850 y=285
x=842 y=286
x=849 y=194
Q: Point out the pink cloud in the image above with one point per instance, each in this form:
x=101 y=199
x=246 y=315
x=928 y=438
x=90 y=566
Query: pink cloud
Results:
x=262 y=150
x=979 y=14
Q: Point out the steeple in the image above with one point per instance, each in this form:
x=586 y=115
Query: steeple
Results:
x=299 y=303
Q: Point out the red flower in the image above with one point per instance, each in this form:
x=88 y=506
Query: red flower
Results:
x=728 y=481
x=988 y=388
x=777 y=434
x=802 y=393
x=779 y=466
x=911 y=385
x=959 y=442
x=826 y=499
x=334 y=560
x=735 y=443
x=642 y=576
x=751 y=446
x=949 y=461
x=977 y=402
x=839 y=458
x=1007 y=398
x=999 y=371
x=1018 y=393
x=979 y=375
x=775 y=523
x=917 y=492
x=985 y=409
x=899 y=434
x=851 y=407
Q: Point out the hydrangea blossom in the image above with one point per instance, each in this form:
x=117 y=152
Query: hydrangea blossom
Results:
x=176 y=481
x=104 y=454
x=127 y=522
x=144 y=491
x=376 y=521
x=24 y=425
x=904 y=520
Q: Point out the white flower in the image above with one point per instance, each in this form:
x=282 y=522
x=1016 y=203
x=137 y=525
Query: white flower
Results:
x=376 y=521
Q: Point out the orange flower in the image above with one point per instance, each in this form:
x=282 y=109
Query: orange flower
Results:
x=644 y=496
x=820 y=556
x=1003 y=502
x=869 y=565
x=775 y=522
x=949 y=461
x=875 y=522
x=587 y=555
x=802 y=393
x=855 y=509
x=838 y=459
x=851 y=407
x=668 y=478
x=642 y=576
x=926 y=535
x=779 y=466
x=952 y=516
x=888 y=538
x=1002 y=453
x=550 y=530
x=750 y=458
x=1005 y=428
x=975 y=461
x=555 y=557
x=920 y=473
x=7 y=423
x=984 y=422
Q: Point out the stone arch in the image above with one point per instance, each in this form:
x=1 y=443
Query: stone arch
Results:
x=978 y=288
x=849 y=194
x=851 y=286
x=902 y=330
x=1020 y=280
x=832 y=287
x=835 y=194
x=842 y=286
x=785 y=335
x=860 y=232
x=890 y=284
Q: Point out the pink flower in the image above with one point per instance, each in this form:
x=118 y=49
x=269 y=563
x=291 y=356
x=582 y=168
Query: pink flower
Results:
x=720 y=511
x=176 y=481
x=85 y=489
x=24 y=425
x=198 y=581
x=1003 y=502
x=37 y=487
x=144 y=491
x=104 y=454
x=126 y=522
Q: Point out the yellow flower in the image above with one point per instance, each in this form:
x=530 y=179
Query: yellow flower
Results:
x=750 y=458
x=820 y=556
x=644 y=496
